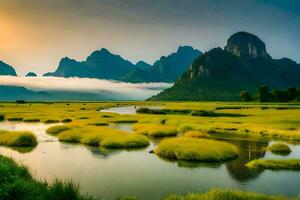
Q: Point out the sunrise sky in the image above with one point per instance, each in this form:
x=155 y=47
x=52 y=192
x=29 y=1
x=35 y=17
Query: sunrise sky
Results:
x=35 y=34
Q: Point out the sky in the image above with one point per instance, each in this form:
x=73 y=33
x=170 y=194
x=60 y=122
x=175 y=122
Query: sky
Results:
x=36 y=34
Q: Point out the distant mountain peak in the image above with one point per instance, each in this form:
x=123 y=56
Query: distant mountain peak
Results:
x=184 y=49
x=6 y=69
x=31 y=74
x=246 y=45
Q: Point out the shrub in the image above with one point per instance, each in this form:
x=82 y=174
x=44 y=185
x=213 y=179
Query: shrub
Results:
x=51 y=121
x=66 y=120
x=192 y=149
x=150 y=111
x=15 y=119
x=203 y=113
x=31 y=120
x=279 y=148
x=20 y=101
x=2 y=117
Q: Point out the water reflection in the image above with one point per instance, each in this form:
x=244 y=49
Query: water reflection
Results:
x=248 y=150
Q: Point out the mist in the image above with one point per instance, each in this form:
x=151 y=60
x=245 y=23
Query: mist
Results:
x=118 y=90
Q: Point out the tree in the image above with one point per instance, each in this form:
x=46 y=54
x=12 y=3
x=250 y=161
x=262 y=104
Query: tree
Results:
x=263 y=94
x=245 y=96
x=280 y=95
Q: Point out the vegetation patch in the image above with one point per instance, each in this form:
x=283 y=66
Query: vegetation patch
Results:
x=290 y=164
x=15 y=119
x=193 y=149
x=31 y=120
x=100 y=136
x=150 y=111
x=155 y=130
x=17 y=184
x=51 y=121
x=196 y=134
x=2 y=117
x=66 y=120
x=280 y=148
x=221 y=194
x=17 y=138
x=206 y=113
x=54 y=130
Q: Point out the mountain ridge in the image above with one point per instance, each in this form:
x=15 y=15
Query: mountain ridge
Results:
x=220 y=74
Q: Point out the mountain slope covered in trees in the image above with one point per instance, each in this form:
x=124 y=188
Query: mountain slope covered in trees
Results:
x=220 y=74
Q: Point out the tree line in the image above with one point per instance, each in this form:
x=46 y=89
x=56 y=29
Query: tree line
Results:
x=263 y=94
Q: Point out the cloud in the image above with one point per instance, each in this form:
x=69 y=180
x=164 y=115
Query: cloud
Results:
x=136 y=91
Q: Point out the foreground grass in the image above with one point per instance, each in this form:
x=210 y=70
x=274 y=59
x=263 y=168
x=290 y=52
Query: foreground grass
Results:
x=17 y=184
x=17 y=138
x=219 y=194
x=193 y=149
x=280 y=149
x=290 y=164
x=98 y=136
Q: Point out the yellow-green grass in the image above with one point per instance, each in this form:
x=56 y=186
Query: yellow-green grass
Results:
x=98 y=136
x=196 y=134
x=54 y=130
x=194 y=149
x=289 y=164
x=17 y=138
x=155 y=130
x=280 y=148
x=223 y=194
x=280 y=124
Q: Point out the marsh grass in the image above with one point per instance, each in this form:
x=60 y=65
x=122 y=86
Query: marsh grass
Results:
x=280 y=149
x=66 y=120
x=17 y=184
x=222 y=194
x=31 y=120
x=15 y=119
x=193 y=149
x=155 y=130
x=290 y=164
x=52 y=121
x=196 y=134
x=98 y=136
x=17 y=138
x=54 y=130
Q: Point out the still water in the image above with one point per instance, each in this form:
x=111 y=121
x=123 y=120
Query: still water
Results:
x=109 y=174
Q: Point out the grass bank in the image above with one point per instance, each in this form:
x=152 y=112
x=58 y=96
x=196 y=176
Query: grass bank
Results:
x=17 y=138
x=221 y=194
x=193 y=149
x=290 y=164
x=17 y=184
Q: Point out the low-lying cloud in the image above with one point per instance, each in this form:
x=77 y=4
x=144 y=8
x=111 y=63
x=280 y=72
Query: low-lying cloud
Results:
x=137 y=91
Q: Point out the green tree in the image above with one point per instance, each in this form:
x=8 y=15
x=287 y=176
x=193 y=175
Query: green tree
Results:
x=245 y=96
x=263 y=94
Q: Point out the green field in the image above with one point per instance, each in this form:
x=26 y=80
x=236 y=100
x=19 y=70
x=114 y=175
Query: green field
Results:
x=186 y=131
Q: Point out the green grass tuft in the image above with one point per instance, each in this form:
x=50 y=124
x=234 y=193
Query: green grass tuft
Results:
x=54 y=130
x=290 y=164
x=17 y=138
x=221 y=194
x=192 y=149
x=155 y=130
x=279 y=148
